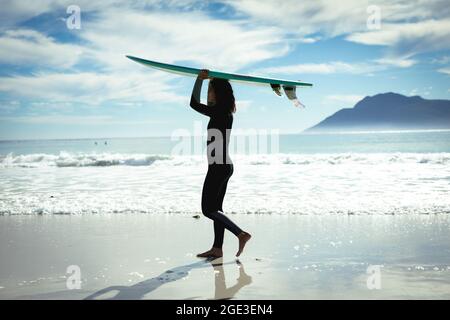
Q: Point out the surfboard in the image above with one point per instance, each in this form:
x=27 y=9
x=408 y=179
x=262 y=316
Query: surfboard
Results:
x=288 y=86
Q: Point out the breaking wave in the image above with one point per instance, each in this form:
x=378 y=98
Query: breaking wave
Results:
x=67 y=159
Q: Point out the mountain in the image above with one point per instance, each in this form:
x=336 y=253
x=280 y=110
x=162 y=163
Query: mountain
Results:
x=389 y=111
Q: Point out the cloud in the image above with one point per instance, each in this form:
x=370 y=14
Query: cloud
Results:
x=25 y=46
x=323 y=16
x=441 y=60
x=408 y=39
x=338 y=67
x=396 y=62
x=306 y=17
x=70 y=119
x=129 y=28
x=171 y=37
x=90 y=88
x=324 y=68
x=13 y=12
x=414 y=92
x=165 y=30
x=263 y=28
x=445 y=70
x=309 y=40
x=407 y=27
x=424 y=91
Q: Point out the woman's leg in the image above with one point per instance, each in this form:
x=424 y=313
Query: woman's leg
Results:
x=223 y=190
x=219 y=232
x=214 y=189
x=219 y=228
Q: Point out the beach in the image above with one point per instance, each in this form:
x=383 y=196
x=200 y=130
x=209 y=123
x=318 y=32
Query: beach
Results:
x=151 y=256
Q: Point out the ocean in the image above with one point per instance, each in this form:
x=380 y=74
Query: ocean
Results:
x=357 y=173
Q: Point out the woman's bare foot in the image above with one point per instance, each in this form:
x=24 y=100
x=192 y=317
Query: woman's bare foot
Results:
x=243 y=238
x=213 y=252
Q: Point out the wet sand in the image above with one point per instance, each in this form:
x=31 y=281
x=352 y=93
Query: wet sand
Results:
x=145 y=256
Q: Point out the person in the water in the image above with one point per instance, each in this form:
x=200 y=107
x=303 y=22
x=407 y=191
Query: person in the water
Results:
x=220 y=108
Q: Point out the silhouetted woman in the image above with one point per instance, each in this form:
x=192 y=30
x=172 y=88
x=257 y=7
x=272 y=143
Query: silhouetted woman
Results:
x=220 y=109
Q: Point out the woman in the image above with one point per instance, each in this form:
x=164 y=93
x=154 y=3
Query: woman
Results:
x=220 y=109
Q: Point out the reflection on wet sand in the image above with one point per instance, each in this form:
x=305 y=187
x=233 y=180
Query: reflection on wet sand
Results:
x=221 y=290
x=140 y=289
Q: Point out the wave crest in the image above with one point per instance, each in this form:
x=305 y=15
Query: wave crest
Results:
x=67 y=159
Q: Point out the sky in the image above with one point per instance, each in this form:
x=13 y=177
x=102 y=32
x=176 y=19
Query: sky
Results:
x=58 y=81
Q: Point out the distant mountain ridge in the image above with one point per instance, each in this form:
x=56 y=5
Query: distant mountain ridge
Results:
x=388 y=111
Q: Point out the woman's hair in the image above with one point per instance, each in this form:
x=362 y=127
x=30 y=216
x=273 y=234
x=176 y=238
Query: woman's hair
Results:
x=224 y=94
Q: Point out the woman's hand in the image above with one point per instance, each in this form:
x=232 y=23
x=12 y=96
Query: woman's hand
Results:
x=203 y=74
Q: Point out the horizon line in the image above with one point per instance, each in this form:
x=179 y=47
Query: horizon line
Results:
x=286 y=134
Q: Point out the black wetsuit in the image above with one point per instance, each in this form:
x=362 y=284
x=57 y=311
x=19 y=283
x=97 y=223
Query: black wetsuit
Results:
x=220 y=166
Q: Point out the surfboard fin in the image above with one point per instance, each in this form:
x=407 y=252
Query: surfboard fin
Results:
x=290 y=93
x=276 y=88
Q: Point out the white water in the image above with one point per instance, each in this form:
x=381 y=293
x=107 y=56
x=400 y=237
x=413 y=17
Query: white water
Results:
x=311 y=184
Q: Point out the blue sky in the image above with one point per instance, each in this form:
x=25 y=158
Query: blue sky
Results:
x=57 y=82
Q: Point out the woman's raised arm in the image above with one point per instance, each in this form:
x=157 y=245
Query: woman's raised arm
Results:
x=196 y=92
